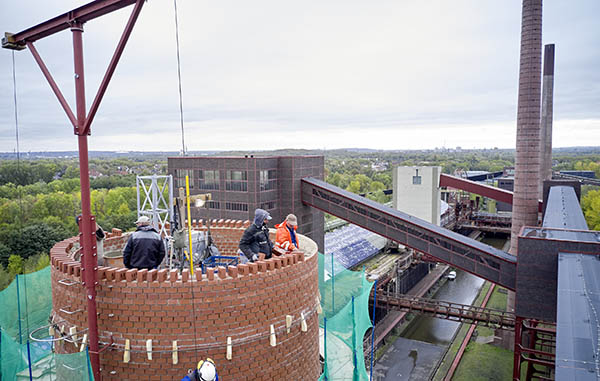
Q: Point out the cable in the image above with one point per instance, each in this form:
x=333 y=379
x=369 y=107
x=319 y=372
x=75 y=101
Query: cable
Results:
x=15 y=101
x=179 y=80
x=20 y=190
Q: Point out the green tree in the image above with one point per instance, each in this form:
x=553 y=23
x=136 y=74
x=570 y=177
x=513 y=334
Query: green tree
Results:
x=354 y=186
x=15 y=265
x=34 y=239
x=5 y=278
x=590 y=204
x=5 y=253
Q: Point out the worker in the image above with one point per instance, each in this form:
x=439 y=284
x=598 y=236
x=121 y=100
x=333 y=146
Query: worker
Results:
x=145 y=248
x=205 y=371
x=255 y=239
x=286 y=237
x=100 y=236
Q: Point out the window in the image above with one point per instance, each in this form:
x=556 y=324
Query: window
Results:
x=417 y=178
x=268 y=179
x=213 y=205
x=180 y=178
x=237 y=206
x=269 y=205
x=208 y=180
x=236 y=181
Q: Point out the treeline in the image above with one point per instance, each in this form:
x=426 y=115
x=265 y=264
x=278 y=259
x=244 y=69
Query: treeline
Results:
x=39 y=201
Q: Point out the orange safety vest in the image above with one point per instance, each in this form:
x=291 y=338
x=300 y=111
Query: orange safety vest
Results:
x=283 y=238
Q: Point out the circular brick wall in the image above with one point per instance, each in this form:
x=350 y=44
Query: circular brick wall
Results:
x=200 y=313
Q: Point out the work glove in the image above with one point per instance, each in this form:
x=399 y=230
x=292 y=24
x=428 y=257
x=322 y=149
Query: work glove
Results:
x=254 y=257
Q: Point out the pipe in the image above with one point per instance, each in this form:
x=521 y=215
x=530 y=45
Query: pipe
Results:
x=189 y=218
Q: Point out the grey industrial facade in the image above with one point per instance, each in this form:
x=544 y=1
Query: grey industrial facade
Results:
x=239 y=185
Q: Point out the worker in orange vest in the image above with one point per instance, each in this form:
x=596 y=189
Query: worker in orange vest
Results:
x=286 y=237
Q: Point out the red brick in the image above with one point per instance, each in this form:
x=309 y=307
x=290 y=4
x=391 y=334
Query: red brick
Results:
x=131 y=275
x=141 y=275
x=110 y=273
x=151 y=275
x=210 y=273
x=232 y=271
x=262 y=266
x=222 y=272
x=253 y=268
x=185 y=275
x=120 y=275
x=173 y=275
x=162 y=275
x=243 y=269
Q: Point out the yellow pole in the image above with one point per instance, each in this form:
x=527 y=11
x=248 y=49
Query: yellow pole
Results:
x=189 y=218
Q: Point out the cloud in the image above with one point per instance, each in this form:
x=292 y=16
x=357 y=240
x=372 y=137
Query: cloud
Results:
x=330 y=73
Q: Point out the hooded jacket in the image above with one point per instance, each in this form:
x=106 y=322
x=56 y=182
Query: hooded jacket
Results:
x=283 y=238
x=144 y=249
x=256 y=237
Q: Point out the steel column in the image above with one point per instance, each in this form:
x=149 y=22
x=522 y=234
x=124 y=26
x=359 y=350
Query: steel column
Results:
x=87 y=223
x=517 y=351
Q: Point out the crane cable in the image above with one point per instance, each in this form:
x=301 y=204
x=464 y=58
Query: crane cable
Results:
x=20 y=193
x=179 y=80
x=191 y=283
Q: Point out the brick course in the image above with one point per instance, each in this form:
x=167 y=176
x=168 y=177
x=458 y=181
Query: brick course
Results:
x=202 y=311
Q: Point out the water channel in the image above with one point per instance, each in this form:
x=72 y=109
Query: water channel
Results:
x=464 y=289
x=422 y=343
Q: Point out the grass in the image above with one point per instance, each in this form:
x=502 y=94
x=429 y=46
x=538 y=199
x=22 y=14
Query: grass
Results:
x=497 y=301
x=484 y=362
x=449 y=357
x=480 y=361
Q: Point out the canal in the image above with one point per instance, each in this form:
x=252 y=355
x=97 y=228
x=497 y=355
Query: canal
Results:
x=422 y=344
x=464 y=290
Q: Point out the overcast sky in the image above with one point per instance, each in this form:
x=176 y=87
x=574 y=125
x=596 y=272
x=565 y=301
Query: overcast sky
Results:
x=262 y=74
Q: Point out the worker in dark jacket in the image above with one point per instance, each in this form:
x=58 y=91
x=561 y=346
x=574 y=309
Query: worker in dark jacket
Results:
x=255 y=239
x=145 y=248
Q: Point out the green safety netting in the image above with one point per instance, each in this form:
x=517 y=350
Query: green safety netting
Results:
x=345 y=319
x=25 y=306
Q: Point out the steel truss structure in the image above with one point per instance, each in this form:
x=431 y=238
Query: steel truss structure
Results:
x=155 y=206
x=447 y=246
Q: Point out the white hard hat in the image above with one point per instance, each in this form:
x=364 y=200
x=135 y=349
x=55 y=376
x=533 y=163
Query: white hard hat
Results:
x=207 y=370
x=143 y=220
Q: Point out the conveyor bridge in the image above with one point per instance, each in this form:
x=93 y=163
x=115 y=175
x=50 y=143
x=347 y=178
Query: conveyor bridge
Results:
x=457 y=250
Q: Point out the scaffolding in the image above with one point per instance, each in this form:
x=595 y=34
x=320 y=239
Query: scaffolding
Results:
x=157 y=204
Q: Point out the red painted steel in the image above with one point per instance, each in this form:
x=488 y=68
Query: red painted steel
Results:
x=447 y=310
x=112 y=65
x=53 y=85
x=82 y=14
x=538 y=357
x=484 y=261
x=517 y=351
x=74 y=21
x=488 y=191
x=89 y=259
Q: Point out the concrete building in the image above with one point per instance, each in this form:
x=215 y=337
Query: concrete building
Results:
x=506 y=183
x=417 y=192
x=239 y=185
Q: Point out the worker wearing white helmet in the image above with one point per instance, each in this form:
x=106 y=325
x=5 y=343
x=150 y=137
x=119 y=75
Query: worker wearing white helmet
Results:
x=205 y=371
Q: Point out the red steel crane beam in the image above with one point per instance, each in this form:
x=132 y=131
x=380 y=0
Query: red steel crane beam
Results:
x=57 y=24
x=488 y=191
x=81 y=122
